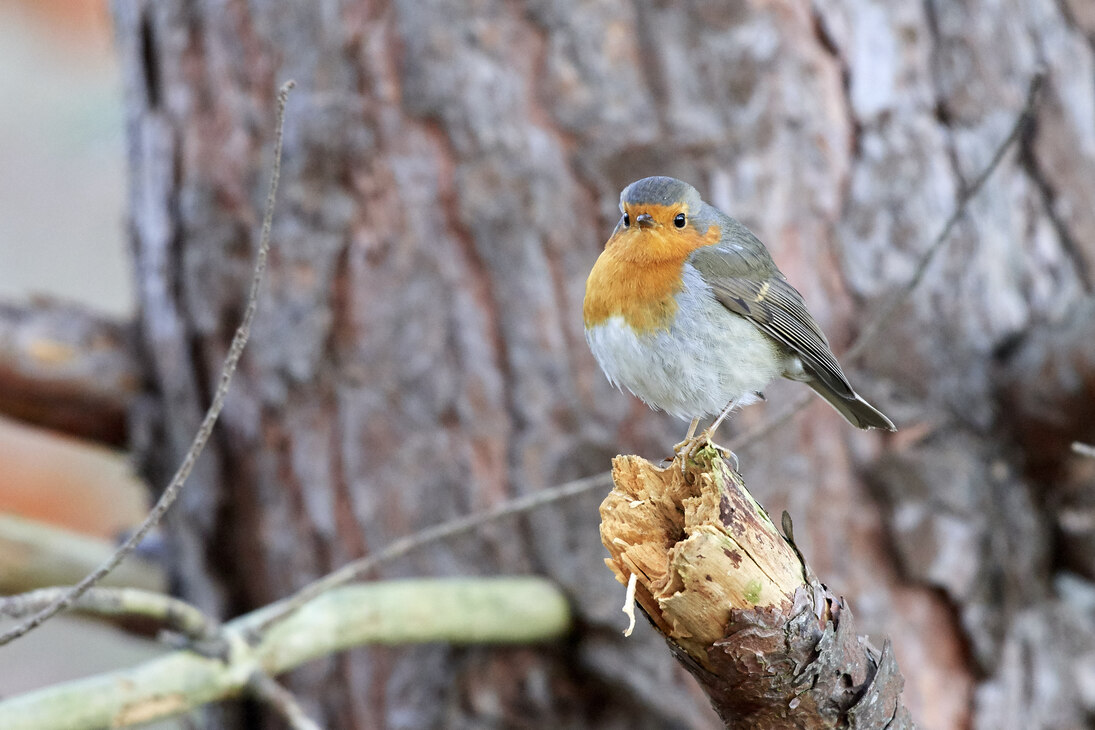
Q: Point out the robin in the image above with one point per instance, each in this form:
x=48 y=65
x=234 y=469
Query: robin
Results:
x=686 y=309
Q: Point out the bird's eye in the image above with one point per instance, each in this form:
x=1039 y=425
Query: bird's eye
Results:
x=680 y=220
x=627 y=220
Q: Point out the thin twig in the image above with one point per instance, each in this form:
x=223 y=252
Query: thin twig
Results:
x=1026 y=116
x=359 y=568
x=239 y=341
x=769 y=425
x=270 y=692
x=868 y=334
x=40 y=555
x=175 y=614
x=400 y=547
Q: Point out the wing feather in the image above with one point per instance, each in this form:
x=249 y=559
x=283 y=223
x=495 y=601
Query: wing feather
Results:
x=746 y=281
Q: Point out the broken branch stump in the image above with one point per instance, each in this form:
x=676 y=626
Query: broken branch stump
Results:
x=771 y=646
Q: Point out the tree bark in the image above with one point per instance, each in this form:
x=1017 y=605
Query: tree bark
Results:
x=451 y=172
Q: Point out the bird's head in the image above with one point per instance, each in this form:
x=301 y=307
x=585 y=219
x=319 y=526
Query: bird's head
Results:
x=662 y=218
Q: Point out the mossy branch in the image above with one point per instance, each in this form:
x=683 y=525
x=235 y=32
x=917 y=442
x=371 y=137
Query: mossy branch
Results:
x=456 y=611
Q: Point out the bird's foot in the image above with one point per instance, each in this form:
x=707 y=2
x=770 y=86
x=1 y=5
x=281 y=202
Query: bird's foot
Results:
x=686 y=450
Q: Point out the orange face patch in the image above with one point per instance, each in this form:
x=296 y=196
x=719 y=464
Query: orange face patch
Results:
x=638 y=274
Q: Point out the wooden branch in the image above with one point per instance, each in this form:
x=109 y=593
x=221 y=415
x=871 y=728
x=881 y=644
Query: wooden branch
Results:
x=458 y=611
x=34 y=554
x=770 y=645
x=266 y=689
x=68 y=369
x=166 y=611
x=360 y=568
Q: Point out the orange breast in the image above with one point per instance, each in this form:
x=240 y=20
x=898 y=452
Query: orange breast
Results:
x=642 y=295
x=638 y=275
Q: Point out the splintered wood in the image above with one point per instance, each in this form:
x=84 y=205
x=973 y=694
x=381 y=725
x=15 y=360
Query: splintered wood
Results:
x=699 y=545
x=769 y=644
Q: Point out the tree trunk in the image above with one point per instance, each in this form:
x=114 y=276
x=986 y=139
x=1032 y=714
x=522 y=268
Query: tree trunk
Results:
x=451 y=172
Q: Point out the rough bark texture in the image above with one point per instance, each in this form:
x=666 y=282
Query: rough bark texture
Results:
x=776 y=670
x=451 y=172
x=771 y=646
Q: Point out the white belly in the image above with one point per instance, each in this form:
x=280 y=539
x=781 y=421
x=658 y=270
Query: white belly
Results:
x=689 y=371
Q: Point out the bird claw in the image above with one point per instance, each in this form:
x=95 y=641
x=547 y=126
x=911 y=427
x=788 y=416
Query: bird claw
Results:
x=686 y=450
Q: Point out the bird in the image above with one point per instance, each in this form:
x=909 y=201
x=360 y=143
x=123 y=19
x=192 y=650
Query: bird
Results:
x=686 y=309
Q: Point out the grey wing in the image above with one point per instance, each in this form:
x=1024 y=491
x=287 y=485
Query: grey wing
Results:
x=744 y=279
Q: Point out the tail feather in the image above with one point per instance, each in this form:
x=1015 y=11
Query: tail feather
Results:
x=855 y=410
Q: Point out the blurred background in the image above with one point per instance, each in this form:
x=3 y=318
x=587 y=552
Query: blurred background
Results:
x=62 y=140
x=451 y=173
x=62 y=237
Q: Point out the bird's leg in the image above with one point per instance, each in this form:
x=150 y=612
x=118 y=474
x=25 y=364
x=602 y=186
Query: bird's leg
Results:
x=695 y=443
x=685 y=448
x=688 y=438
x=710 y=433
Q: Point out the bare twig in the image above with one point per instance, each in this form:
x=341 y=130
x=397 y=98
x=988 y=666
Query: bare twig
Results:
x=37 y=555
x=359 y=568
x=770 y=425
x=1026 y=116
x=175 y=614
x=868 y=334
x=267 y=690
x=239 y=341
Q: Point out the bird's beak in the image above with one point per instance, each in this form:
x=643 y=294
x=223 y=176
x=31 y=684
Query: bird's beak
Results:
x=644 y=220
